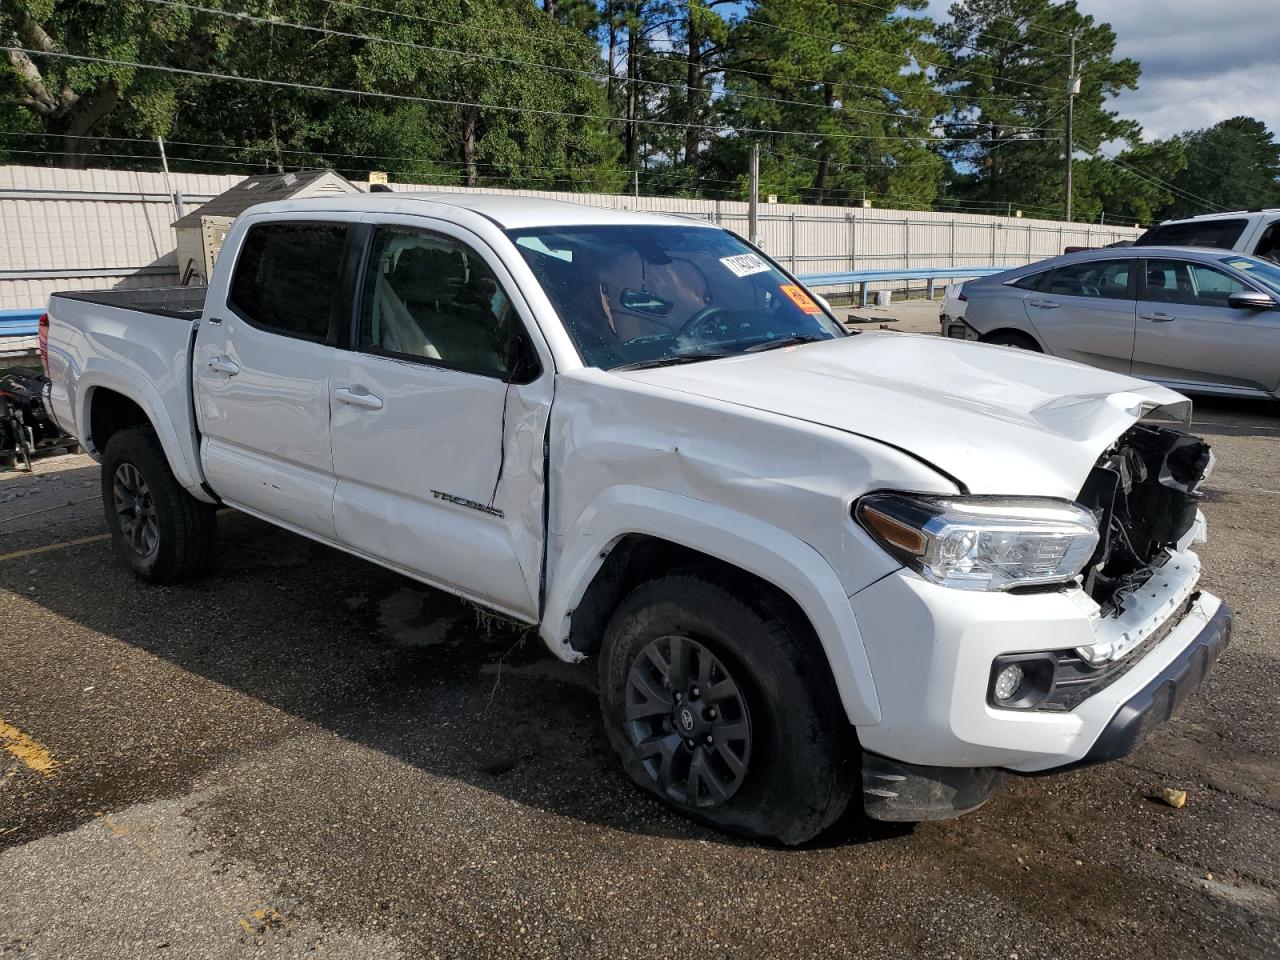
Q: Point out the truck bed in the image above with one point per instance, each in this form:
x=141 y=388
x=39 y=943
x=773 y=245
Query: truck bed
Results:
x=182 y=303
x=135 y=344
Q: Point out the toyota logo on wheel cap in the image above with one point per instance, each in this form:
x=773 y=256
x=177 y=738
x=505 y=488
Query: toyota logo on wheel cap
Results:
x=686 y=718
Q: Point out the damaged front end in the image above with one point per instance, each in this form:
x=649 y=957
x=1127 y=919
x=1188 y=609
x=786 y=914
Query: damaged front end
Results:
x=1144 y=493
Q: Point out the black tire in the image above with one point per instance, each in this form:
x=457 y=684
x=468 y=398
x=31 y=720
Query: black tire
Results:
x=1012 y=338
x=182 y=530
x=800 y=760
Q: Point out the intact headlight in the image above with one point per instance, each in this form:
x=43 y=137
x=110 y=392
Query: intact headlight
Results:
x=982 y=543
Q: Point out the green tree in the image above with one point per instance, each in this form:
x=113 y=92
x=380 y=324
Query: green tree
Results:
x=1234 y=165
x=520 y=94
x=1132 y=188
x=71 y=99
x=846 y=75
x=1009 y=68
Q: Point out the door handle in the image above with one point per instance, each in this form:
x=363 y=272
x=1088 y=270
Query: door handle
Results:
x=1155 y=317
x=224 y=365
x=365 y=400
x=1045 y=304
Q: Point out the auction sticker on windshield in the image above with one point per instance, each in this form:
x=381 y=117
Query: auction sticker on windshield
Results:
x=800 y=298
x=745 y=264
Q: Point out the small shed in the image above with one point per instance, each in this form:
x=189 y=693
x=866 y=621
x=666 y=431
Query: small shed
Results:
x=202 y=231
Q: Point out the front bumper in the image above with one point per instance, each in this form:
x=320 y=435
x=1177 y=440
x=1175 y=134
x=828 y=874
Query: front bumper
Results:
x=931 y=651
x=899 y=791
x=1163 y=694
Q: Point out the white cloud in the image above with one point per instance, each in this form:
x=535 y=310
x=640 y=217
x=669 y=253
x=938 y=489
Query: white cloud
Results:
x=1201 y=62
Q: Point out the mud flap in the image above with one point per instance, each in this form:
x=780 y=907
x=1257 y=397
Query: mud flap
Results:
x=907 y=793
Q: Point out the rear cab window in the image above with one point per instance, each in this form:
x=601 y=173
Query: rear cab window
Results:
x=288 y=277
x=1221 y=234
x=1103 y=279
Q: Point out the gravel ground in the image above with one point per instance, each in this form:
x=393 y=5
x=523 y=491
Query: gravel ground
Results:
x=305 y=755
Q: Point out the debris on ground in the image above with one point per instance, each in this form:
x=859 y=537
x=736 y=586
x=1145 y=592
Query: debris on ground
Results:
x=1174 y=797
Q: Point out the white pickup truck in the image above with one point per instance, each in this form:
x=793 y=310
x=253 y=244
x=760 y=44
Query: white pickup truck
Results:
x=812 y=565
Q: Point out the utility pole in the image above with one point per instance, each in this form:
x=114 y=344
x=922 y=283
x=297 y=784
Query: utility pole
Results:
x=178 y=207
x=1073 y=87
x=753 y=203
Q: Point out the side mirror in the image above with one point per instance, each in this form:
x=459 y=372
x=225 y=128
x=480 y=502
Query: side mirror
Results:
x=1250 y=300
x=823 y=302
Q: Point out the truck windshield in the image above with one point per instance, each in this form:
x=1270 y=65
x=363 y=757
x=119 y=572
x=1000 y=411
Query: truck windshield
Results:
x=647 y=295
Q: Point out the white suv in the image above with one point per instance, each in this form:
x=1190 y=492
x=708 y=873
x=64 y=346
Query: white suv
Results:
x=1245 y=231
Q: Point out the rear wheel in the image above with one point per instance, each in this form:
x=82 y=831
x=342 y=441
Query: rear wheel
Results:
x=163 y=532
x=1012 y=338
x=723 y=708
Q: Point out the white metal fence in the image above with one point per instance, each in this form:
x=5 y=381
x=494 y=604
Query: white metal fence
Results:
x=81 y=229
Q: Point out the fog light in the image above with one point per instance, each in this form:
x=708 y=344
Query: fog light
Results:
x=1008 y=681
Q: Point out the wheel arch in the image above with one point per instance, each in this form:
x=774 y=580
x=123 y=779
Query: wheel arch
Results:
x=632 y=534
x=991 y=336
x=109 y=406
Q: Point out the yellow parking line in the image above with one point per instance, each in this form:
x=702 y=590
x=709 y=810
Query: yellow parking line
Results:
x=53 y=546
x=31 y=752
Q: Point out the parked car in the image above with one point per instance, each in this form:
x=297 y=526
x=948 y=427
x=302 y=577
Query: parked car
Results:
x=811 y=565
x=1255 y=232
x=1198 y=320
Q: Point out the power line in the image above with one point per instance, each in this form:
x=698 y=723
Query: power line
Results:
x=657 y=59
x=282 y=150
x=814 y=81
x=503 y=108
x=472 y=55
x=303 y=152
x=651 y=179
x=131 y=156
x=1155 y=181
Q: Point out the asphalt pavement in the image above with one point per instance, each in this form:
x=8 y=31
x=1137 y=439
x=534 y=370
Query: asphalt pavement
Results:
x=305 y=755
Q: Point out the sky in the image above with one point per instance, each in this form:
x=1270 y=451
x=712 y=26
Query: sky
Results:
x=1201 y=62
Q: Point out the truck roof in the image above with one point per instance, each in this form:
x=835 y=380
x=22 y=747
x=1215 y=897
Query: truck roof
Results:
x=1223 y=215
x=507 y=210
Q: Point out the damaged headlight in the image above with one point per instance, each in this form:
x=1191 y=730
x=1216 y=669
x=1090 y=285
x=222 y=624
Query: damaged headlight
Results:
x=982 y=543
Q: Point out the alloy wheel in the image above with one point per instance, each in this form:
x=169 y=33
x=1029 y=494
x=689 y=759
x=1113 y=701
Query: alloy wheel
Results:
x=687 y=721
x=136 y=510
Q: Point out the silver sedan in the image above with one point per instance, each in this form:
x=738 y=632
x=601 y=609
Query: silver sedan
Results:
x=1197 y=320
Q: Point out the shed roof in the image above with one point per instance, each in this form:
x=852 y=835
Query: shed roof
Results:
x=267 y=187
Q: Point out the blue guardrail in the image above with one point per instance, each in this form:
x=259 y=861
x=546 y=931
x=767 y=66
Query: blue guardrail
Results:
x=861 y=278
x=20 y=323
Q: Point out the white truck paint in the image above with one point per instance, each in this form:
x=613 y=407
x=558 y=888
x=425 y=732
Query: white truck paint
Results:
x=517 y=494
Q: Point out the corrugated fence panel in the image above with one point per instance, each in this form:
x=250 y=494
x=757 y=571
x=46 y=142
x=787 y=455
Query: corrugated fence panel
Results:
x=93 y=220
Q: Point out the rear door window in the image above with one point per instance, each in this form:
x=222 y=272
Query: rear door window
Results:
x=1103 y=279
x=1222 y=234
x=288 y=277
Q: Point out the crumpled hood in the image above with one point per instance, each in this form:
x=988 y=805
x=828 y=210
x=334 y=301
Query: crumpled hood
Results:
x=996 y=419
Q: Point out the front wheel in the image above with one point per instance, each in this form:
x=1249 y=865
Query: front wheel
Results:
x=161 y=531
x=723 y=708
